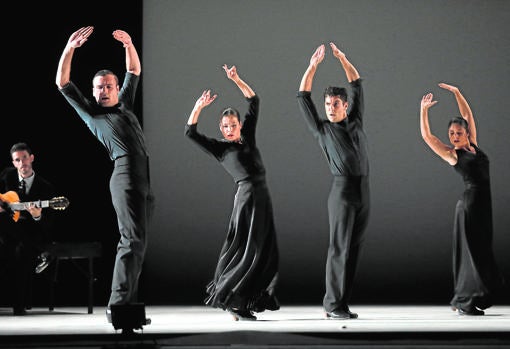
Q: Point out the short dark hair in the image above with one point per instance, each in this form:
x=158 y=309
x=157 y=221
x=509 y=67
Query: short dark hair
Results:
x=459 y=121
x=20 y=146
x=104 y=72
x=332 y=91
x=230 y=111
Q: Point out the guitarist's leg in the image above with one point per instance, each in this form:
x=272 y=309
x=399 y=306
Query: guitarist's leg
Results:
x=15 y=259
x=6 y=273
x=25 y=260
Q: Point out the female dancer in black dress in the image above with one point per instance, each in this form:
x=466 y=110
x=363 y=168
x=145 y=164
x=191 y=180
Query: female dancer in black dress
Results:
x=475 y=273
x=247 y=270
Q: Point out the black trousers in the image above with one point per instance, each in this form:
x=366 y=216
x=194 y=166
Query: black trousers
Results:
x=133 y=203
x=18 y=254
x=348 y=209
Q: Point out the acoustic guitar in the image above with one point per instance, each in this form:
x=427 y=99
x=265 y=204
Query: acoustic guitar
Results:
x=11 y=200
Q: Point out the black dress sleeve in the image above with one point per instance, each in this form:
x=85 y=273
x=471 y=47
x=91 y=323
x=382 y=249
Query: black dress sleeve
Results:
x=209 y=145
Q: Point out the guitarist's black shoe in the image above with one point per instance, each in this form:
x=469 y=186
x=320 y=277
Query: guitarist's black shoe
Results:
x=43 y=261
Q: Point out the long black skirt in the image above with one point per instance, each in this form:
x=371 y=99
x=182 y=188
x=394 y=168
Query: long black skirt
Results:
x=247 y=270
x=475 y=273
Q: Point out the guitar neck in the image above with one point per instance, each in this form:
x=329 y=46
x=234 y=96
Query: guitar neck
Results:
x=20 y=206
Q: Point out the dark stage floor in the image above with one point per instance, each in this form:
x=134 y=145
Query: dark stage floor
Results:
x=190 y=327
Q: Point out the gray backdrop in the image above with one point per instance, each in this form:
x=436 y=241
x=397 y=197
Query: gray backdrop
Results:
x=402 y=50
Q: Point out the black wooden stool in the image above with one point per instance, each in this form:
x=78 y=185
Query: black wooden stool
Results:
x=59 y=251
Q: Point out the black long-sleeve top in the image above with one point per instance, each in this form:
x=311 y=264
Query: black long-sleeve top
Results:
x=117 y=127
x=241 y=160
x=344 y=143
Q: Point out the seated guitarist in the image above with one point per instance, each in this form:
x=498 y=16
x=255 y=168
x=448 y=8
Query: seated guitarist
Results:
x=21 y=239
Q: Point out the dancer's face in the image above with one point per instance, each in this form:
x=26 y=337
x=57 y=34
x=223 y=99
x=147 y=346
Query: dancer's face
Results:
x=230 y=128
x=336 y=109
x=458 y=135
x=105 y=90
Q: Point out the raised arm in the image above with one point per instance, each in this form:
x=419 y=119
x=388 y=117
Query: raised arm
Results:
x=203 y=101
x=243 y=86
x=464 y=109
x=350 y=71
x=76 y=39
x=133 y=64
x=447 y=153
x=315 y=60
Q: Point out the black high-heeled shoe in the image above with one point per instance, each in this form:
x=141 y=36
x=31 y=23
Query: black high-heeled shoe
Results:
x=470 y=311
x=241 y=314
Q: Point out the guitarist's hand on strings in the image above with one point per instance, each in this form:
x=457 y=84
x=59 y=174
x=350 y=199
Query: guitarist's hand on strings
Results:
x=34 y=210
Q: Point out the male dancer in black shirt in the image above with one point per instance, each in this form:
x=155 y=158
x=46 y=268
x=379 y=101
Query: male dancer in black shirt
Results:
x=111 y=119
x=344 y=143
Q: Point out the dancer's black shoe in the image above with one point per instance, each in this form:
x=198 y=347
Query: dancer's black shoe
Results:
x=470 y=311
x=242 y=314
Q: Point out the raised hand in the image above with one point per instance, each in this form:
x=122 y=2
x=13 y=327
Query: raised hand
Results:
x=231 y=72
x=80 y=36
x=205 y=99
x=318 y=55
x=427 y=101
x=123 y=37
x=450 y=88
x=464 y=109
x=336 y=51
